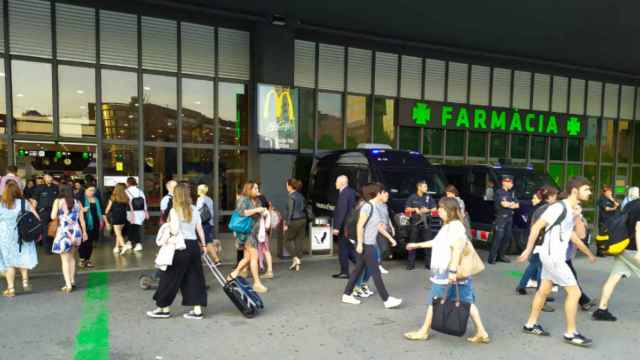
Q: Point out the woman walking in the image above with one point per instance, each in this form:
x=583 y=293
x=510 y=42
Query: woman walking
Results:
x=70 y=234
x=447 y=247
x=116 y=216
x=295 y=223
x=93 y=218
x=185 y=273
x=269 y=221
x=248 y=206
x=205 y=207
x=14 y=255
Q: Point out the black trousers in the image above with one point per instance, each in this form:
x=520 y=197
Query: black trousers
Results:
x=45 y=218
x=419 y=233
x=368 y=260
x=186 y=275
x=502 y=237
x=347 y=253
x=584 y=299
x=86 y=247
x=295 y=236
x=134 y=232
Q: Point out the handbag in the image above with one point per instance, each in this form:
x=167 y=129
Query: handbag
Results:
x=52 y=228
x=450 y=316
x=240 y=224
x=470 y=262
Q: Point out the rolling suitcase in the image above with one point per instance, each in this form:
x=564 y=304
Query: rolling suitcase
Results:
x=238 y=290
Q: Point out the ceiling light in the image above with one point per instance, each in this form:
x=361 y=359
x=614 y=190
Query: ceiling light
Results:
x=1 y=74
x=197 y=102
x=79 y=92
x=278 y=20
x=20 y=95
x=147 y=88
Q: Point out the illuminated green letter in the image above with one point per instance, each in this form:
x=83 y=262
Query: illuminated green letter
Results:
x=479 y=119
x=446 y=115
x=516 y=123
x=498 y=120
x=552 y=125
x=541 y=123
x=527 y=121
x=463 y=118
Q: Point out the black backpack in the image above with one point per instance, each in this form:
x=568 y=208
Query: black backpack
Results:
x=28 y=225
x=205 y=214
x=620 y=233
x=164 y=216
x=137 y=203
x=351 y=224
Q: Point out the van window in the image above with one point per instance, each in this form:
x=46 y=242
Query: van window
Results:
x=527 y=182
x=480 y=184
x=402 y=183
x=458 y=177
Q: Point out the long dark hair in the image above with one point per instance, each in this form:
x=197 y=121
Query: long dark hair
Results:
x=66 y=193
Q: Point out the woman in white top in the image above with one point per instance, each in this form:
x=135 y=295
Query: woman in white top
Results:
x=205 y=207
x=446 y=255
x=185 y=274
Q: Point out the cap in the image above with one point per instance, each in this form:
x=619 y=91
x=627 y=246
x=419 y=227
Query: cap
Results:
x=508 y=178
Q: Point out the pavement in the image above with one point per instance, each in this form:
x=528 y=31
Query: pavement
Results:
x=303 y=319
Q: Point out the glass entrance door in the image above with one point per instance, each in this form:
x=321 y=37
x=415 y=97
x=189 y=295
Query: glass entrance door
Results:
x=65 y=161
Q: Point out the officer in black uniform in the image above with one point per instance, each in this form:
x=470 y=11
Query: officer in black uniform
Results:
x=505 y=203
x=420 y=205
x=44 y=195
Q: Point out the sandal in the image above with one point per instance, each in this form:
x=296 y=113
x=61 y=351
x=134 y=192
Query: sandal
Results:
x=9 y=293
x=26 y=287
x=415 y=335
x=268 y=275
x=477 y=339
x=66 y=290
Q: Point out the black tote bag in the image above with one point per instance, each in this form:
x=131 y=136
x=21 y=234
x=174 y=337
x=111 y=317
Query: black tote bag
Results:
x=450 y=316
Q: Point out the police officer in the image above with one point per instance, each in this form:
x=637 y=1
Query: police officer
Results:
x=419 y=205
x=44 y=195
x=505 y=203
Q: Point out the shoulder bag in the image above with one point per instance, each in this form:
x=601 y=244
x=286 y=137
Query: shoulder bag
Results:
x=450 y=316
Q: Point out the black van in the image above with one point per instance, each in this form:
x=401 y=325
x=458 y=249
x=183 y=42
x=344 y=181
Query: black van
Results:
x=398 y=170
x=477 y=185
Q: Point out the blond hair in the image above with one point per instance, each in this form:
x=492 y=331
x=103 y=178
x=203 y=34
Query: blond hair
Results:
x=182 y=202
x=202 y=190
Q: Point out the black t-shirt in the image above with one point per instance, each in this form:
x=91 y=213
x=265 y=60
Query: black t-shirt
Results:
x=502 y=195
x=44 y=195
x=605 y=215
x=633 y=209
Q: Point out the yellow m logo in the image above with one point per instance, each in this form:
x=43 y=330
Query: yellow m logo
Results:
x=278 y=99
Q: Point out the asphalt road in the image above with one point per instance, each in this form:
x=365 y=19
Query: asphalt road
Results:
x=304 y=319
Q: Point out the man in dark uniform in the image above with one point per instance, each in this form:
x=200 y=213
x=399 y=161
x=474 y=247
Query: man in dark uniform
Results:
x=505 y=203
x=419 y=205
x=345 y=204
x=43 y=196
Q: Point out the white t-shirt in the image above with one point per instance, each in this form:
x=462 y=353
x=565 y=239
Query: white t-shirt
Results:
x=138 y=215
x=188 y=229
x=442 y=250
x=556 y=240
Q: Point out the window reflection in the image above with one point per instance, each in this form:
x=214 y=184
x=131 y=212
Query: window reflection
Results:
x=432 y=143
x=624 y=141
x=197 y=111
x=519 y=146
x=307 y=99
x=477 y=144
x=384 y=130
x=358 y=130
x=160 y=108
x=3 y=107
x=234 y=113
x=197 y=168
x=607 y=145
x=77 y=101
x=591 y=140
x=455 y=143
x=498 y=145
x=556 y=148
x=119 y=105
x=118 y=163
x=329 y=121
x=32 y=100
x=232 y=168
x=410 y=138
x=538 y=147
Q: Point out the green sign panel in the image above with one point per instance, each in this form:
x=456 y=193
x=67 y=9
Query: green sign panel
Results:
x=440 y=115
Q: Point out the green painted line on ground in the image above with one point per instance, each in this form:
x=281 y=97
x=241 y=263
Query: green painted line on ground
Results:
x=514 y=274
x=92 y=339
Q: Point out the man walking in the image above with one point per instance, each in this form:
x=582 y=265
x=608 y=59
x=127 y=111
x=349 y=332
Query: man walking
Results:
x=505 y=203
x=44 y=195
x=419 y=205
x=559 y=224
x=345 y=204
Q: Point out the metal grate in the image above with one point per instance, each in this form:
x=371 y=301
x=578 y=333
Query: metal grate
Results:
x=198 y=49
x=541 y=92
x=611 y=92
x=234 y=54
x=118 y=38
x=411 y=77
x=626 y=103
x=386 y=82
x=434 y=79
x=331 y=67
x=479 y=92
x=521 y=89
x=501 y=91
x=559 y=101
x=594 y=98
x=576 y=105
x=75 y=33
x=457 y=82
x=159 y=44
x=359 y=71
x=304 y=73
x=30 y=24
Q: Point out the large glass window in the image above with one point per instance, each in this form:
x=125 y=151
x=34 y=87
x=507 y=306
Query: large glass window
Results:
x=358 y=130
x=498 y=145
x=329 y=121
x=160 y=166
x=118 y=163
x=556 y=171
x=606 y=176
x=538 y=147
x=232 y=174
x=433 y=142
x=3 y=154
x=197 y=111
x=32 y=100
x=233 y=113
x=197 y=168
x=477 y=144
x=77 y=101
x=307 y=114
x=455 y=143
x=607 y=147
x=519 y=146
x=384 y=130
x=410 y=138
x=575 y=149
x=573 y=170
x=624 y=141
x=590 y=172
x=556 y=148
x=591 y=140
x=119 y=105
x=636 y=147
x=160 y=108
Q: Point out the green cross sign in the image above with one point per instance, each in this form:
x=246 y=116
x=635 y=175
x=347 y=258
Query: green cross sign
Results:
x=573 y=126
x=421 y=113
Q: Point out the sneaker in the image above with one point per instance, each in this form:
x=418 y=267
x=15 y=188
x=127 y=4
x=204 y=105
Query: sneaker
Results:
x=366 y=292
x=532 y=284
x=383 y=271
x=535 y=330
x=521 y=291
x=603 y=315
x=577 y=340
x=357 y=293
x=392 y=302
x=349 y=299
x=191 y=315
x=588 y=306
x=158 y=314
x=554 y=289
x=138 y=247
x=116 y=250
x=127 y=247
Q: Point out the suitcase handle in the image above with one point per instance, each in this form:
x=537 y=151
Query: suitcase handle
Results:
x=214 y=269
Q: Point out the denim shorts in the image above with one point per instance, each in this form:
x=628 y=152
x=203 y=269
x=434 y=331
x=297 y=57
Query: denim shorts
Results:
x=466 y=292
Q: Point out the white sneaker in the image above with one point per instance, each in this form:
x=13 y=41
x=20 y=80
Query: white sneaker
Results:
x=125 y=248
x=554 y=289
x=383 y=271
x=138 y=247
x=365 y=292
x=349 y=299
x=392 y=302
x=116 y=250
x=532 y=284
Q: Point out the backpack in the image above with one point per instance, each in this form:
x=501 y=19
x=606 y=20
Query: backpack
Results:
x=28 y=225
x=205 y=214
x=559 y=220
x=165 y=214
x=137 y=203
x=619 y=235
x=308 y=211
x=351 y=224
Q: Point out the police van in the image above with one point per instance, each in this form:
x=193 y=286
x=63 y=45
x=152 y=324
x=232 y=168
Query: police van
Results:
x=398 y=170
x=477 y=185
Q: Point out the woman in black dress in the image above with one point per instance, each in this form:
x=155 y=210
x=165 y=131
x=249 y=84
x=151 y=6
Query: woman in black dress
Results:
x=116 y=216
